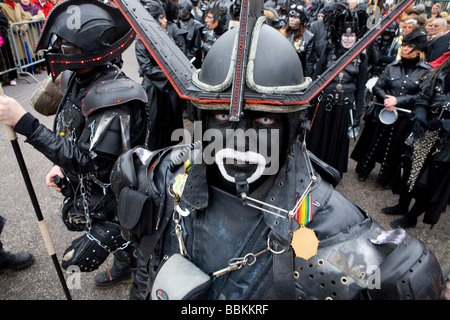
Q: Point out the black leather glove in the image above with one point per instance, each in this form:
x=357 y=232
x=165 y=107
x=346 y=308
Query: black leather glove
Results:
x=418 y=129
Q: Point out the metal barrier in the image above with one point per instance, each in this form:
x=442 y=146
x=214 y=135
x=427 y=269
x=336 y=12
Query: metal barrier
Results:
x=7 y=61
x=23 y=38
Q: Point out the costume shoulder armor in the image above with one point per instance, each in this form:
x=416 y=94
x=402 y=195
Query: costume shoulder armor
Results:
x=111 y=93
x=368 y=262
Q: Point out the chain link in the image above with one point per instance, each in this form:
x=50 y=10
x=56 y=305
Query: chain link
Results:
x=85 y=200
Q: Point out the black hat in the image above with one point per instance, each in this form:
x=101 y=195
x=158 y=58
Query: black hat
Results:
x=418 y=38
x=297 y=10
x=342 y=20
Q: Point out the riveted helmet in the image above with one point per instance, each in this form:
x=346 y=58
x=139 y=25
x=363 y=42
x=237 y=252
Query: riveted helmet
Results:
x=217 y=8
x=98 y=31
x=273 y=67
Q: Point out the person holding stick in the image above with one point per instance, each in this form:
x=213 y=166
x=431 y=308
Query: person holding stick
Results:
x=101 y=115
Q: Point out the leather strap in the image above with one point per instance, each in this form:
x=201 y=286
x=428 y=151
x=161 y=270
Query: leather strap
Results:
x=283 y=287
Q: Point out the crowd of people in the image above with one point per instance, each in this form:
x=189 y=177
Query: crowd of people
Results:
x=408 y=64
x=412 y=46
x=13 y=12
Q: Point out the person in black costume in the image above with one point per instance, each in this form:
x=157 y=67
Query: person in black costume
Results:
x=427 y=179
x=300 y=37
x=194 y=32
x=386 y=46
x=8 y=59
x=217 y=219
x=215 y=24
x=314 y=10
x=398 y=86
x=198 y=10
x=170 y=9
x=165 y=108
x=102 y=114
x=343 y=97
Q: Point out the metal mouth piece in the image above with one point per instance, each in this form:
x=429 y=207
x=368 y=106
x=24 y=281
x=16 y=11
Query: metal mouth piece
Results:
x=242 y=190
x=225 y=156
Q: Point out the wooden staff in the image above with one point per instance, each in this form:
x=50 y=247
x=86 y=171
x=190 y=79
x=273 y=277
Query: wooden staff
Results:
x=41 y=222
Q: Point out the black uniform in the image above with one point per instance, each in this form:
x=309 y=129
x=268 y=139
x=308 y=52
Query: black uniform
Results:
x=384 y=143
x=327 y=138
x=165 y=109
x=426 y=174
x=101 y=115
x=193 y=37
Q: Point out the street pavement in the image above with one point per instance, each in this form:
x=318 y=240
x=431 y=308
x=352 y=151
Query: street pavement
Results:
x=21 y=232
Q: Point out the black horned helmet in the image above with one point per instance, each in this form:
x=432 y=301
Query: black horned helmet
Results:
x=217 y=8
x=99 y=30
x=342 y=20
x=250 y=67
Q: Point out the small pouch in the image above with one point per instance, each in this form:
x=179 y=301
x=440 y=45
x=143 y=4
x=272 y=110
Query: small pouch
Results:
x=180 y=279
x=136 y=214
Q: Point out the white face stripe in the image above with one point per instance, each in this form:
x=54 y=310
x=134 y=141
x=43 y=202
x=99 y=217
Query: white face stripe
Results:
x=249 y=156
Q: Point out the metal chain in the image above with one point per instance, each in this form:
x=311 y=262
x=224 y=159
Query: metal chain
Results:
x=85 y=200
x=248 y=260
x=420 y=153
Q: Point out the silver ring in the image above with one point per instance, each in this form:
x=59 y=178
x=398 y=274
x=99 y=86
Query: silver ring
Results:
x=273 y=251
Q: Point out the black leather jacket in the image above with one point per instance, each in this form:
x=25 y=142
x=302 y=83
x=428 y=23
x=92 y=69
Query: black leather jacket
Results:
x=217 y=226
x=96 y=121
x=193 y=39
x=404 y=85
x=304 y=47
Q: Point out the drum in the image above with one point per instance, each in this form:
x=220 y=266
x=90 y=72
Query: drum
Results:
x=389 y=117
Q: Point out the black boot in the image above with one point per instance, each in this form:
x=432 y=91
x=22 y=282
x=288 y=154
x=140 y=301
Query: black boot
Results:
x=18 y=261
x=395 y=210
x=402 y=206
x=120 y=272
x=404 y=223
x=410 y=219
x=363 y=177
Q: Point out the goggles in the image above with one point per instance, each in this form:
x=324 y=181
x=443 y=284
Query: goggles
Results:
x=296 y=10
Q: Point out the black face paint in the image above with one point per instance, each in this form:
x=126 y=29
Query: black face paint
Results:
x=253 y=146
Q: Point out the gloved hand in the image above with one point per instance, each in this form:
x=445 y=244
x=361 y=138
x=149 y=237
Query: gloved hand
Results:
x=418 y=129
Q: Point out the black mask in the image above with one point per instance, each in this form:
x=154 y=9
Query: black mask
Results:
x=255 y=146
